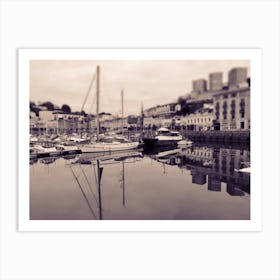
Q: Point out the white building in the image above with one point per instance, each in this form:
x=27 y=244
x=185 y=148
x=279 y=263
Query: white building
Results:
x=198 y=121
x=162 y=110
x=46 y=115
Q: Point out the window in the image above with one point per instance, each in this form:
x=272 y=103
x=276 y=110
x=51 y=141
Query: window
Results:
x=242 y=125
x=225 y=110
x=232 y=112
x=217 y=110
x=242 y=108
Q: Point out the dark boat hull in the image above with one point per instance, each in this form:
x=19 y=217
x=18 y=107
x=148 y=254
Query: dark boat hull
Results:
x=152 y=143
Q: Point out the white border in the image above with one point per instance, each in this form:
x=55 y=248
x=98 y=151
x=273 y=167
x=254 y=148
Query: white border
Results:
x=24 y=57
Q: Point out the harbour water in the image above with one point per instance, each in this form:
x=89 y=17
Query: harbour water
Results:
x=198 y=183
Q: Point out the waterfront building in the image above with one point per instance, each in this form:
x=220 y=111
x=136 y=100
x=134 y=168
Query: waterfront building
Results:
x=237 y=76
x=150 y=122
x=166 y=110
x=32 y=115
x=45 y=115
x=114 y=123
x=160 y=115
x=198 y=121
x=215 y=81
x=67 y=116
x=58 y=122
x=199 y=85
x=232 y=108
x=105 y=117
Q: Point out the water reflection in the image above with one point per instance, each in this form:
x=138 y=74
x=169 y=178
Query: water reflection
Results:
x=98 y=162
x=218 y=164
x=154 y=184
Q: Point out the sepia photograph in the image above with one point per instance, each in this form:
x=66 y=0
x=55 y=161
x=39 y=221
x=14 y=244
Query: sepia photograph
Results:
x=140 y=140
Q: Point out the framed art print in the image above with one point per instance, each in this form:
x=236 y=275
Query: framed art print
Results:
x=139 y=139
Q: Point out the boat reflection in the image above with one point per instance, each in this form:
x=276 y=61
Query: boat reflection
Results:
x=48 y=160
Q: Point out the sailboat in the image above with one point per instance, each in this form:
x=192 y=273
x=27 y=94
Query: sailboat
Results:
x=106 y=144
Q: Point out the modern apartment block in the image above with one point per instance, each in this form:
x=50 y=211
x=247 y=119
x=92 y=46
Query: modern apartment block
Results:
x=215 y=81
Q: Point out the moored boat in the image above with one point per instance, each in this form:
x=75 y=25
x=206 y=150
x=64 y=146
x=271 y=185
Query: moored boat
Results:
x=111 y=143
x=42 y=150
x=108 y=145
x=163 y=137
x=68 y=149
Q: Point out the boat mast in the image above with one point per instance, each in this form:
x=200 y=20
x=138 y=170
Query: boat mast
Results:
x=122 y=110
x=97 y=101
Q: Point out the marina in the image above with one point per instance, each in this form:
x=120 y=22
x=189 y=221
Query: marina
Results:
x=185 y=160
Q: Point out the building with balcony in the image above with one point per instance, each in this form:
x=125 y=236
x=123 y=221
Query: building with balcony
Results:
x=232 y=109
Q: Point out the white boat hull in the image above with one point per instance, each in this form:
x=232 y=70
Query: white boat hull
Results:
x=107 y=147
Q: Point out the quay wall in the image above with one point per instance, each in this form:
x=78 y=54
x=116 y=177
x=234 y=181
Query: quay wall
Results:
x=219 y=136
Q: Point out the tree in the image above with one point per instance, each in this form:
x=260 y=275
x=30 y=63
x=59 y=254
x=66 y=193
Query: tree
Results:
x=49 y=105
x=36 y=111
x=66 y=108
x=31 y=104
x=182 y=101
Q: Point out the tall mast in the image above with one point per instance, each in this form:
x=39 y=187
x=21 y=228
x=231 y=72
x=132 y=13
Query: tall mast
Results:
x=122 y=111
x=142 y=117
x=97 y=101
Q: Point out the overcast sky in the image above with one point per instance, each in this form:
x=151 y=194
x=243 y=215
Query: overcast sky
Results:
x=150 y=82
